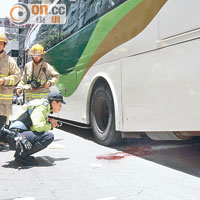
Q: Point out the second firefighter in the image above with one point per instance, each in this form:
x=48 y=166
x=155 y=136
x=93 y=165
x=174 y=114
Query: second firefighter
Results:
x=38 y=76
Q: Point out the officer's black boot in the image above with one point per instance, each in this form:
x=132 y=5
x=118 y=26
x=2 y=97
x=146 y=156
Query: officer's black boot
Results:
x=25 y=157
x=2 y=143
x=3 y=140
x=2 y=135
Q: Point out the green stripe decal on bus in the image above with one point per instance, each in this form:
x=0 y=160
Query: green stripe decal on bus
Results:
x=104 y=26
x=124 y=31
x=66 y=54
x=102 y=40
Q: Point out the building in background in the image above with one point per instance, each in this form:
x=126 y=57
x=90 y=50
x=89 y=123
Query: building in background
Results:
x=12 y=33
x=17 y=35
x=23 y=31
x=12 y=49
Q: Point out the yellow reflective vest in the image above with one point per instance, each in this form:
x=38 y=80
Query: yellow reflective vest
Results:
x=42 y=72
x=10 y=72
x=39 y=115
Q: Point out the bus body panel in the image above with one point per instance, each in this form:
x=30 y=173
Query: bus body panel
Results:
x=68 y=110
x=177 y=17
x=161 y=90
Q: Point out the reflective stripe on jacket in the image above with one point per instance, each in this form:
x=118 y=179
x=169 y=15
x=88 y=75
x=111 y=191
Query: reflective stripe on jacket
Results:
x=10 y=72
x=43 y=72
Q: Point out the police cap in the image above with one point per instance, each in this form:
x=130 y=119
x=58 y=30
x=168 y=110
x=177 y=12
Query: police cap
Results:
x=55 y=96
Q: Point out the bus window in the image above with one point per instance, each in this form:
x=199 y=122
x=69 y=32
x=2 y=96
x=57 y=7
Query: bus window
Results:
x=33 y=36
x=104 y=6
x=71 y=25
x=90 y=14
x=94 y=9
x=39 y=35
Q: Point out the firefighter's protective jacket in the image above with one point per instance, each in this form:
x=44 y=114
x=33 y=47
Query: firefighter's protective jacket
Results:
x=10 y=72
x=39 y=114
x=42 y=72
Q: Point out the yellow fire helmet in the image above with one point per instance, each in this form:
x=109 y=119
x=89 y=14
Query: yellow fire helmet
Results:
x=37 y=50
x=3 y=38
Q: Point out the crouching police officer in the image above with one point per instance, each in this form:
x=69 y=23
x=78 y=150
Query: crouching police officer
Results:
x=29 y=133
x=38 y=76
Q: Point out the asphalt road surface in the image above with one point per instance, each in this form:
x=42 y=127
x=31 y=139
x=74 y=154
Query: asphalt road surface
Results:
x=75 y=167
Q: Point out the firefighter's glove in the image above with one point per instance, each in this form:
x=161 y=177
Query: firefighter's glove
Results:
x=22 y=142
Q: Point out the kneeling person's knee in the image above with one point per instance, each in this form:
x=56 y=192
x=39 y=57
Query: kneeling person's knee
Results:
x=48 y=138
x=51 y=137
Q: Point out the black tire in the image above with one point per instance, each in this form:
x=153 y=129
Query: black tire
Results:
x=103 y=116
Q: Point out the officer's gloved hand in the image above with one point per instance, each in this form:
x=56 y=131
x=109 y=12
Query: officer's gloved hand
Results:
x=26 y=143
x=21 y=142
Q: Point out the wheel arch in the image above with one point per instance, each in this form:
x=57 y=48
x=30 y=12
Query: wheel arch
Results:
x=99 y=78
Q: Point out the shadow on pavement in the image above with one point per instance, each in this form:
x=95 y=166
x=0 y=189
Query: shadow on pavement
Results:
x=183 y=156
x=43 y=161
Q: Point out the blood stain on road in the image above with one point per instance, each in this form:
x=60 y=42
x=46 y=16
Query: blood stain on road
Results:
x=133 y=151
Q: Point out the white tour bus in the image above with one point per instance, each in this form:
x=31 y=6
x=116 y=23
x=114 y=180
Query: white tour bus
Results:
x=128 y=66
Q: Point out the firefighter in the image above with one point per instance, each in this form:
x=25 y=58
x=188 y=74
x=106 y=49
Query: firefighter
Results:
x=29 y=133
x=9 y=76
x=38 y=76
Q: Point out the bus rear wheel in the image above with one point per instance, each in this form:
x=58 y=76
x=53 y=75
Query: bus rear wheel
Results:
x=103 y=116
